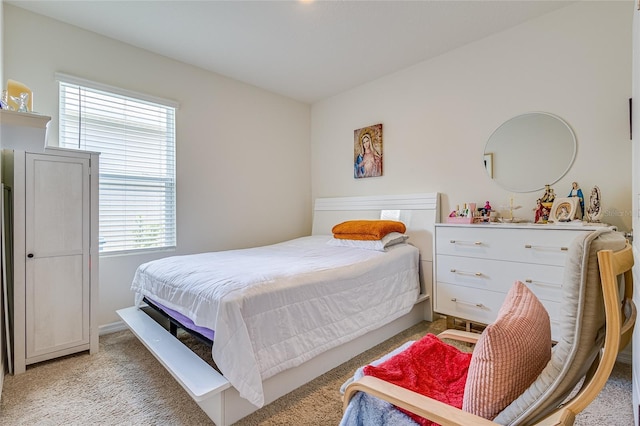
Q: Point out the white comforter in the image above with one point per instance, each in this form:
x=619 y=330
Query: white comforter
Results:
x=275 y=307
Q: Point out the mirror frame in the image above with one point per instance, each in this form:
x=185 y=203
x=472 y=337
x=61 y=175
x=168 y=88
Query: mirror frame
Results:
x=534 y=187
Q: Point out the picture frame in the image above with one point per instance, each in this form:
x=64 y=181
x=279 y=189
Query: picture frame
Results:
x=367 y=152
x=488 y=163
x=564 y=209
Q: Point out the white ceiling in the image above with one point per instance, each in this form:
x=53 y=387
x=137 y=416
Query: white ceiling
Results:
x=304 y=50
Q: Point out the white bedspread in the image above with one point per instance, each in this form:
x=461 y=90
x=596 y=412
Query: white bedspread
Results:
x=275 y=307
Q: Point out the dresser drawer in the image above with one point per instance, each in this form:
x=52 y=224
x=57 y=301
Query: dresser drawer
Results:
x=482 y=306
x=522 y=245
x=472 y=304
x=494 y=275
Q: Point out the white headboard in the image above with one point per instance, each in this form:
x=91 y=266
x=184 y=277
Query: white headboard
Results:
x=419 y=212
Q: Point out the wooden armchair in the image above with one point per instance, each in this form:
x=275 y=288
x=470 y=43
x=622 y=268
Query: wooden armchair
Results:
x=600 y=326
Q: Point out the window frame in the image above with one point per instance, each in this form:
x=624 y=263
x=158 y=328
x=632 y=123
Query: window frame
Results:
x=170 y=213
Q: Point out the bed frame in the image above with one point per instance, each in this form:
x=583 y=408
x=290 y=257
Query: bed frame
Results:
x=211 y=390
x=174 y=324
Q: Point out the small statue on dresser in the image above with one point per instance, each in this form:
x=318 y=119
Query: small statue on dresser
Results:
x=546 y=202
x=541 y=212
x=549 y=195
x=594 y=211
x=537 y=211
x=577 y=192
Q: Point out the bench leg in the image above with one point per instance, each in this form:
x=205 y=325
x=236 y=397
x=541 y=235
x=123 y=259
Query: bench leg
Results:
x=214 y=407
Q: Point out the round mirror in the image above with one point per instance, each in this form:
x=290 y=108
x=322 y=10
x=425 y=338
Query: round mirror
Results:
x=529 y=151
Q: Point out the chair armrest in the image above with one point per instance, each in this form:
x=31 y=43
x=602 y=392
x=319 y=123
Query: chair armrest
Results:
x=459 y=335
x=421 y=405
x=560 y=417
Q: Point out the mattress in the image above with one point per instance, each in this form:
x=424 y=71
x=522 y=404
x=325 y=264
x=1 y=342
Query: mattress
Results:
x=184 y=321
x=275 y=307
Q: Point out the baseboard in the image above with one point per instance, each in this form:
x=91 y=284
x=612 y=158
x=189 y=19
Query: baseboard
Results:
x=624 y=357
x=111 y=328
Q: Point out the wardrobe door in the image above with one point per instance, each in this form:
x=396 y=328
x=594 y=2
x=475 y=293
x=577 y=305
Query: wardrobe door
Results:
x=57 y=253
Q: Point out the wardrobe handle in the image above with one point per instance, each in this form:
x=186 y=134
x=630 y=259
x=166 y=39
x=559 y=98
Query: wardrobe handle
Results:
x=30 y=255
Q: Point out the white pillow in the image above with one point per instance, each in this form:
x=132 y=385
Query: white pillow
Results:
x=388 y=240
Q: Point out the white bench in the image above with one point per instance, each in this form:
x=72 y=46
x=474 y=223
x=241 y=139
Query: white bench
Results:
x=201 y=381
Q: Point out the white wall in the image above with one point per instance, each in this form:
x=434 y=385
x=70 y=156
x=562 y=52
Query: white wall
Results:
x=2 y=84
x=635 y=343
x=438 y=115
x=2 y=338
x=243 y=154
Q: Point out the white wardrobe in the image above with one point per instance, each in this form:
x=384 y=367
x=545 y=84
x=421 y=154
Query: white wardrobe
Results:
x=55 y=253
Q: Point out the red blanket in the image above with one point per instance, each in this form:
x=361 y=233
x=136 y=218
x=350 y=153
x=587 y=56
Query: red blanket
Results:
x=430 y=367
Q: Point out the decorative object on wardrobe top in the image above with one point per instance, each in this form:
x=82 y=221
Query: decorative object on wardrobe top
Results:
x=18 y=97
x=20 y=127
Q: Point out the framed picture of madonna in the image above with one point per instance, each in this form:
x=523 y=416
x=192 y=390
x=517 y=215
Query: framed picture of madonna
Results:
x=367 y=152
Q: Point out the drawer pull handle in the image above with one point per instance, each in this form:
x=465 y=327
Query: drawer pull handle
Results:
x=474 y=243
x=531 y=246
x=477 y=305
x=475 y=274
x=542 y=283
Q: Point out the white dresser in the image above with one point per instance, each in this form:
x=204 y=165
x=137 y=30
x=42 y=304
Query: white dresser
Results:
x=476 y=265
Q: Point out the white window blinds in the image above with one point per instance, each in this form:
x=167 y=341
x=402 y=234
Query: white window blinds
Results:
x=136 y=139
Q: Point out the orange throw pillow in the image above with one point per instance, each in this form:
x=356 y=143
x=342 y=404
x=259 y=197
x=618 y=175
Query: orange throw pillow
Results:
x=367 y=229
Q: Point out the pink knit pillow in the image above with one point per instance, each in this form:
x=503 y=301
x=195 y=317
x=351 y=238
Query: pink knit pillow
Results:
x=510 y=354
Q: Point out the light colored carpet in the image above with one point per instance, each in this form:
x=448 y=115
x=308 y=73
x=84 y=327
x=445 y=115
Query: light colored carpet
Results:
x=124 y=385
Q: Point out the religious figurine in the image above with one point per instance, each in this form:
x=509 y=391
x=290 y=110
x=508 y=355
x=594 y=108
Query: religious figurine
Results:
x=4 y=101
x=577 y=192
x=21 y=101
x=549 y=195
x=541 y=211
x=546 y=202
x=594 y=211
x=538 y=212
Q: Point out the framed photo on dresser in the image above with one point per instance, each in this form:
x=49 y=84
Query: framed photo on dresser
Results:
x=564 y=209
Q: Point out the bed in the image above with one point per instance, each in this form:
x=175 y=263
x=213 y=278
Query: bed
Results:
x=275 y=331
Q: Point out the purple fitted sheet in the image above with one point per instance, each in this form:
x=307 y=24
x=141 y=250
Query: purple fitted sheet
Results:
x=185 y=321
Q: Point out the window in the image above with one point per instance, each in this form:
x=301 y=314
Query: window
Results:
x=135 y=135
